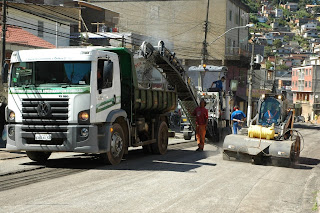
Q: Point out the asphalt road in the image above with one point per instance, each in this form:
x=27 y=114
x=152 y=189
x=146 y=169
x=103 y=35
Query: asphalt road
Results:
x=180 y=181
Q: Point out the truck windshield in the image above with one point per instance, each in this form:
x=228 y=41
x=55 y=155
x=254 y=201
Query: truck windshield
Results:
x=207 y=78
x=270 y=112
x=49 y=73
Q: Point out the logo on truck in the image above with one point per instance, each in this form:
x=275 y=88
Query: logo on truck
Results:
x=44 y=109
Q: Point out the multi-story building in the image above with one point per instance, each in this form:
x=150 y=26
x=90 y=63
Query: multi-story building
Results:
x=310 y=33
x=267 y=10
x=306 y=90
x=308 y=26
x=301 y=21
x=278 y=13
x=184 y=27
x=291 y=6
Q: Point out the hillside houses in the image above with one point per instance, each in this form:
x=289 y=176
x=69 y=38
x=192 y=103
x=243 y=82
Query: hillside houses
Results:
x=294 y=62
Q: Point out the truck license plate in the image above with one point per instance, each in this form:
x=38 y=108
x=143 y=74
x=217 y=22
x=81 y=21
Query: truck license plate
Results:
x=43 y=137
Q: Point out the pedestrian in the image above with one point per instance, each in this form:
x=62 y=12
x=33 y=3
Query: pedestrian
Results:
x=201 y=114
x=237 y=117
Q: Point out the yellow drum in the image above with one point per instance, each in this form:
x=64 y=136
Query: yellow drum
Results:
x=258 y=131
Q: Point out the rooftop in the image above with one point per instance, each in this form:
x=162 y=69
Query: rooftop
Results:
x=17 y=35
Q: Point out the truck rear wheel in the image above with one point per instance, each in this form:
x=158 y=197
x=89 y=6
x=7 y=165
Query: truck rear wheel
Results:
x=40 y=157
x=117 y=146
x=161 y=146
x=187 y=135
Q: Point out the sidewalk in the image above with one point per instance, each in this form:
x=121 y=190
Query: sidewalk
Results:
x=6 y=155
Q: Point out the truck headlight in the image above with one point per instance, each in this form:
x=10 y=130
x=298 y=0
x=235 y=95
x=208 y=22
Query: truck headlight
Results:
x=12 y=116
x=83 y=116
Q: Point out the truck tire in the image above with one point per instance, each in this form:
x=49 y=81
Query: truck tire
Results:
x=161 y=146
x=187 y=136
x=117 y=146
x=40 y=157
x=147 y=149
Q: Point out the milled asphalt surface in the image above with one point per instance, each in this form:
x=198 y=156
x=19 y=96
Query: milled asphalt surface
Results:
x=20 y=157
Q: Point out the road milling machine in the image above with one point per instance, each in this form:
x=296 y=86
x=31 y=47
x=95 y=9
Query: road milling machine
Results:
x=271 y=139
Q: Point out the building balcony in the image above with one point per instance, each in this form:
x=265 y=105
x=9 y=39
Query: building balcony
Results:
x=236 y=53
x=301 y=77
x=302 y=102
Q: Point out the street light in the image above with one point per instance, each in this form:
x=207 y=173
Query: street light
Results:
x=246 y=26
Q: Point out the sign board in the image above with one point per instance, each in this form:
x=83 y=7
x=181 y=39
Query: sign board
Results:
x=256 y=93
x=233 y=85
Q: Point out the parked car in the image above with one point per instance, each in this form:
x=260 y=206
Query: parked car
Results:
x=299 y=118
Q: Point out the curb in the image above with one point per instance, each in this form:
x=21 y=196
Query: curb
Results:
x=318 y=200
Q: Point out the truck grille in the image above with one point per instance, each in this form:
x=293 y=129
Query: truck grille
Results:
x=58 y=134
x=41 y=111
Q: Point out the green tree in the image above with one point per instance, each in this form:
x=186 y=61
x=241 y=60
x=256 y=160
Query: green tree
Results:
x=268 y=65
x=277 y=43
x=303 y=3
x=282 y=67
x=286 y=38
x=303 y=14
x=303 y=42
x=254 y=5
x=268 y=51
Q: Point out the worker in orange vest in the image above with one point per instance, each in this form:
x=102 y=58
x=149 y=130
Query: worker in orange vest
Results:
x=201 y=114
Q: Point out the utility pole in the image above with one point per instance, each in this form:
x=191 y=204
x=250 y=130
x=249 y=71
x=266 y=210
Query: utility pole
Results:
x=274 y=89
x=204 y=49
x=250 y=82
x=205 y=44
x=4 y=29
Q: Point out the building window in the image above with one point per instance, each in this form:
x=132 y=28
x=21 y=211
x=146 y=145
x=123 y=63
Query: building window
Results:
x=40 y=29
x=310 y=72
x=306 y=84
x=230 y=15
x=229 y=45
x=296 y=83
x=309 y=83
x=236 y=19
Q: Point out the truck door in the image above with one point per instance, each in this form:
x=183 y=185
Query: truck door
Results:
x=108 y=88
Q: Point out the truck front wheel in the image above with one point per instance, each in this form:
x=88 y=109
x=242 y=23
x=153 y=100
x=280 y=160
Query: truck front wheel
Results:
x=40 y=157
x=117 y=146
x=161 y=146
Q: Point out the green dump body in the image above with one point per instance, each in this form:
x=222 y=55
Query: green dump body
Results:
x=159 y=101
x=136 y=100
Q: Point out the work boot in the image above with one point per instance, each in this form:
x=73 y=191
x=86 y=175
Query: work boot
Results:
x=199 y=150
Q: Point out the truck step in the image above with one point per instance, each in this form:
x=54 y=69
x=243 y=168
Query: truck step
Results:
x=144 y=143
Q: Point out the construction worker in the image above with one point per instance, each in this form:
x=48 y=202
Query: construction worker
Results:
x=201 y=114
x=218 y=84
x=238 y=117
x=272 y=114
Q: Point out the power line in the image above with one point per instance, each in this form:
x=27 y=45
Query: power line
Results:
x=44 y=17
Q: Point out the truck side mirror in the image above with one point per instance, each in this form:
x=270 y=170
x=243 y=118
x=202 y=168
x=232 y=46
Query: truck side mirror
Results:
x=4 y=73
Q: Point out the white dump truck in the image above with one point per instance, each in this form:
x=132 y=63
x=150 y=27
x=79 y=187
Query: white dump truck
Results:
x=84 y=100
